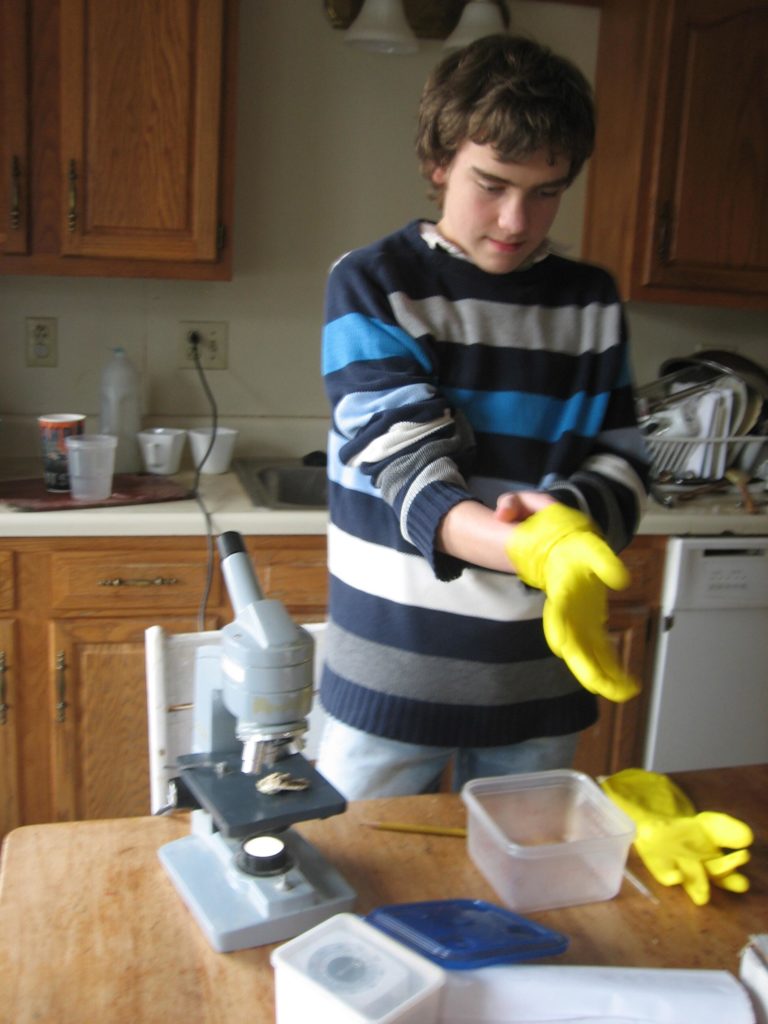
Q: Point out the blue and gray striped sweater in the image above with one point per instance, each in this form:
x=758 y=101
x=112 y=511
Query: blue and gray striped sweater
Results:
x=448 y=383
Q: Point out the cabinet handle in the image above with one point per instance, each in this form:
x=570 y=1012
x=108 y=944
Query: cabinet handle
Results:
x=15 y=193
x=4 y=708
x=61 y=686
x=665 y=231
x=72 y=181
x=158 y=581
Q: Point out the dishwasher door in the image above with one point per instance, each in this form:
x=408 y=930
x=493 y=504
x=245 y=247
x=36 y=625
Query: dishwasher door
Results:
x=709 y=702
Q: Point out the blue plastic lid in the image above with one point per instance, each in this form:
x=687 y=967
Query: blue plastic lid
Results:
x=461 y=934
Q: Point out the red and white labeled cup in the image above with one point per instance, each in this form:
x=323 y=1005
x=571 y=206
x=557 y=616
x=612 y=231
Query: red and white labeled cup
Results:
x=54 y=429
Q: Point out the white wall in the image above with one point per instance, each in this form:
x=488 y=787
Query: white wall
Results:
x=324 y=163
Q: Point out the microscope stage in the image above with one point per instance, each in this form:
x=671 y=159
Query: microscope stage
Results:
x=238 y=808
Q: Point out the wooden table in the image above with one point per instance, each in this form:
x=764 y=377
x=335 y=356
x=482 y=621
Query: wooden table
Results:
x=91 y=928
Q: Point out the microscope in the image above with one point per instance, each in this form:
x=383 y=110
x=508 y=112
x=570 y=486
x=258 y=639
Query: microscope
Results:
x=246 y=875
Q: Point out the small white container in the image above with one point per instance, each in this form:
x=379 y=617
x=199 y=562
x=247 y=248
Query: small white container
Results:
x=547 y=839
x=349 y=972
x=212 y=457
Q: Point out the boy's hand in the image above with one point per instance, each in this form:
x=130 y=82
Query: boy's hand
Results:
x=556 y=550
x=514 y=506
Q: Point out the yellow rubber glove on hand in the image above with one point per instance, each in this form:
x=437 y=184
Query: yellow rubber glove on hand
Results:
x=558 y=551
x=677 y=845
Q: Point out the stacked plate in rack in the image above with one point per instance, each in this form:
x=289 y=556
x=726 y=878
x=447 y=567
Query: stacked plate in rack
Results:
x=702 y=417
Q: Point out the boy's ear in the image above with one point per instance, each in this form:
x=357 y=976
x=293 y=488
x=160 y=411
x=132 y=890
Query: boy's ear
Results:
x=439 y=175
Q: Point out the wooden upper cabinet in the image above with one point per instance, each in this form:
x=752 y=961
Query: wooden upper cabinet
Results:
x=677 y=201
x=127 y=111
x=14 y=193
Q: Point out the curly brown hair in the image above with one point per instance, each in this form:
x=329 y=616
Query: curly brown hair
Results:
x=509 y=92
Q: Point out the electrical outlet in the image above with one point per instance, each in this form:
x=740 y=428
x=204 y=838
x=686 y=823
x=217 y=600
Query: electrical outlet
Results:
x=212 y=346
x=42 y=347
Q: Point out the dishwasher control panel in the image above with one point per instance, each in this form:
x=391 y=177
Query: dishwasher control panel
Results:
x=716 y=572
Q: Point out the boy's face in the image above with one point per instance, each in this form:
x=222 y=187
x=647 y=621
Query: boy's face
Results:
x=499 y=212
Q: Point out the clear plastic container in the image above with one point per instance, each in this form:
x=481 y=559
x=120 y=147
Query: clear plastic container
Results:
x=546 y=839
x=121 y=409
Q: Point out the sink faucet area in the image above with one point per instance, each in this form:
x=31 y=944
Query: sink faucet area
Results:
x=285 y=484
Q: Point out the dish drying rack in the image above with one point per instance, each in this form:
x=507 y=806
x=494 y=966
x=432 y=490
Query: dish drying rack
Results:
x=696 y=425
x=695 y=460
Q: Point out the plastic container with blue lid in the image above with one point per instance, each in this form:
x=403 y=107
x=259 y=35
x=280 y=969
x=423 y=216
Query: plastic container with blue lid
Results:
x=462 y=934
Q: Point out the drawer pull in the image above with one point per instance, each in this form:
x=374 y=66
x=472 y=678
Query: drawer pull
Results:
x=158 y=581
x=61 y=687
x=4 y=708
x=15 y=193
x=72 y=197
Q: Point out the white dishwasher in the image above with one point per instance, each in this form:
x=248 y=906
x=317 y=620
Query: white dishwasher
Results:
x=709 y=702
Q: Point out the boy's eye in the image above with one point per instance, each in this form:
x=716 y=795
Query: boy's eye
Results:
x=488 y=186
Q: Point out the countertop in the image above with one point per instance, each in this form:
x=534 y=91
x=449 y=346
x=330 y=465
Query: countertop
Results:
x=92 y=929
x=231 y=509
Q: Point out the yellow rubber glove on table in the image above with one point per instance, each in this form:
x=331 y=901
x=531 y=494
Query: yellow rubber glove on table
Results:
x=677 y=845
x=558 y=551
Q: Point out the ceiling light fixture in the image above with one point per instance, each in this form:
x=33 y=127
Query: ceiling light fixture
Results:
x=479 y=18
x=381 y=26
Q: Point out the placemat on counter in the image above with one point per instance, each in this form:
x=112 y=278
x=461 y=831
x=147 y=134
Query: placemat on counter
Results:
x=127 y=489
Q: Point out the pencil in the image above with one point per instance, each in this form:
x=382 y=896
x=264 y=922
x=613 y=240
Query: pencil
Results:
x=426 y=830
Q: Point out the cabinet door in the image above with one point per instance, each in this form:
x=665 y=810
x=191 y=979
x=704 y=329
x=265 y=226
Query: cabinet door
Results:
x=677 y=194
x=140 y=128
x=100 y=759
x=616 y=740
x=712 y=207
x=14 y=173
x=10 y=815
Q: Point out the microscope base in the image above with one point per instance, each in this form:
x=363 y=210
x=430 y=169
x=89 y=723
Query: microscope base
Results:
x=238 y=911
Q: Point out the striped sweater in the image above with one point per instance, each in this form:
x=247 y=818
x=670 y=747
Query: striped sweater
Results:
x=448 y=383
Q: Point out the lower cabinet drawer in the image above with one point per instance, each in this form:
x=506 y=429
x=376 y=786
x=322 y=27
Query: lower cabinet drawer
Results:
x=108 y=582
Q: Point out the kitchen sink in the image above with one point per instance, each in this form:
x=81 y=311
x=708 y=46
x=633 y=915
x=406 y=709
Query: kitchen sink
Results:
x=283 y=485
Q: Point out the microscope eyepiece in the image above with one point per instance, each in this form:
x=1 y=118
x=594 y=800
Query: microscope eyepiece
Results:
x=230 y=543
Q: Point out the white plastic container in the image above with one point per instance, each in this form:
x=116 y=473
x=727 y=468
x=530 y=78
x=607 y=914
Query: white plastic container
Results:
x=349 y=972
x=547 y=839
x=121 y=409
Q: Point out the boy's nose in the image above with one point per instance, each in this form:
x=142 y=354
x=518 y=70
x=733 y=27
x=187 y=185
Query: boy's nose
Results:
x=512 y=215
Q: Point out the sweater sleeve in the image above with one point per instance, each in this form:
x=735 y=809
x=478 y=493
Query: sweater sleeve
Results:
x=611 y=484
x=392 y=425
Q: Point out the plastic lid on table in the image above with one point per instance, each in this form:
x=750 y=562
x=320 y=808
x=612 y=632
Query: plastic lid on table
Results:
x=461 y=934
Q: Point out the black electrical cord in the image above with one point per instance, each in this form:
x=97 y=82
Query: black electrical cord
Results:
x=194 y=340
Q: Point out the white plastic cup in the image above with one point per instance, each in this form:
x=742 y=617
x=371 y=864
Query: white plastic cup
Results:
x=91 y=466
x=161 y=449
x=220 y=456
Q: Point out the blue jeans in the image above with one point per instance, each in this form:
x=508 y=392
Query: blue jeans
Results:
x=363 y=767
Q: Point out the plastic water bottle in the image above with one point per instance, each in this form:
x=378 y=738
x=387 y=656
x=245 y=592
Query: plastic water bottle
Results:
x=121 y=409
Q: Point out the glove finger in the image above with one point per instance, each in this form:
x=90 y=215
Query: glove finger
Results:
x=724 y=830
x=600 y=559
x=736 y=882
x=664 y=869
x=718 y=867
x=599 y=671
x=695 y=881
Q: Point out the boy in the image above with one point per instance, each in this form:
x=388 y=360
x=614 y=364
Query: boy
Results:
x=484 y=461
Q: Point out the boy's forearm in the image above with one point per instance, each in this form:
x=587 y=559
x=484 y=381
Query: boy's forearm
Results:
x=477 y=534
